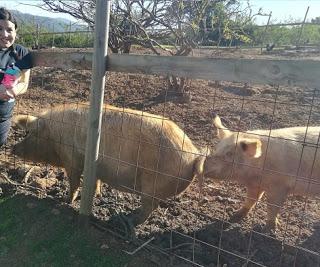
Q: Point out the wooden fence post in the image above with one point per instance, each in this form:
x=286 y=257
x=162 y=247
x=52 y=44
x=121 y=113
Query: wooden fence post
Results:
x=70 y=27
x=301 y=28
x=265 y=32
x=53 y=36
x=96 y=104
x=37 y=44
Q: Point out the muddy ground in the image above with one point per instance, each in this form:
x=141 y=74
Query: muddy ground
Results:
x=193 y=227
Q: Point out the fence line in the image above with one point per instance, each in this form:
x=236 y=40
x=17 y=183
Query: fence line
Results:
x=284 y=72
x=56 y=33
x=289 y=24
x=303 y=72
x=37 y=34
x=232 y=28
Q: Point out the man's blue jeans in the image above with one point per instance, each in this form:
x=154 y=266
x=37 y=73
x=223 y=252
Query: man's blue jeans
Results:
x=6 y=111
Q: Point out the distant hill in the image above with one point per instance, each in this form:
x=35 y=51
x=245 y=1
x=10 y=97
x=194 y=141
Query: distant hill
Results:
x=59 y=24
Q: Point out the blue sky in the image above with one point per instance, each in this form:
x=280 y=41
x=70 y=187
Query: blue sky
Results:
x=282 y=10
x=21 y=6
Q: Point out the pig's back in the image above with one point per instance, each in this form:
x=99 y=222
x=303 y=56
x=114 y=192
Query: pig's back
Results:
x=299 y=134
x=293 y=153
x=135 y=143
x=133 y=137
x=153 y=141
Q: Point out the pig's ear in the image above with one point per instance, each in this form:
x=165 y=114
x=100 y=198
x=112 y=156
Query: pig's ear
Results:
x=251 y=147
x=222 y=131
x=22 y=121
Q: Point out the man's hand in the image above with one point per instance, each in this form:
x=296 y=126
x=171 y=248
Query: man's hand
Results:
x=11 y=93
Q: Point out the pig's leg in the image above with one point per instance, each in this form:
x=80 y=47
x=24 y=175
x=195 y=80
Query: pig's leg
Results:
x=74 y=180
x=98 y=188
x=73 y=163
x=148 y=204
x=147 y=187
x=275 y=199
x=254 y=194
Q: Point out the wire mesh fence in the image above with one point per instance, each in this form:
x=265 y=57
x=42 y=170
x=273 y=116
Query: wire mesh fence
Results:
x=192 y=226
x=154 y=143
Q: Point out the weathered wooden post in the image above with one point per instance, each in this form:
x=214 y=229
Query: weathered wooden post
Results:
x=96 y=104
x=265 y=32
x=53 y=36
x=301 y=28
x=37 y=44
x=70 y=27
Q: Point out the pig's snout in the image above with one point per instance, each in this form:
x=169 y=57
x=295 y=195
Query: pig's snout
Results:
x=216 y=169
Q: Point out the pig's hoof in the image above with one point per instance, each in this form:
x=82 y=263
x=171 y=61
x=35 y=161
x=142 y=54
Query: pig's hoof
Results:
x=269 y=230
x=70 y=200
x=67 y=199
x=72 y=197
x=271 y=227
x=98 y=193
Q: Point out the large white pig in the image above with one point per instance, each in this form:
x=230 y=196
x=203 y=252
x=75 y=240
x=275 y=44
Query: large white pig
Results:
x=139 y=152
x=277 y=162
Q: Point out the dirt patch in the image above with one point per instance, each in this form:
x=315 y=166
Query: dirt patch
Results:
x=193 y=227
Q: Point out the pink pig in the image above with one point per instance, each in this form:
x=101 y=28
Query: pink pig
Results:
x=277 y=162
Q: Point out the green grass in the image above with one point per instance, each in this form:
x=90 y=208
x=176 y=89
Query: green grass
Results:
x=32 y=235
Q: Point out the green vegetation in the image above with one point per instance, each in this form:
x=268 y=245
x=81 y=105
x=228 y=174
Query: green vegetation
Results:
x=183 y=25
x=289 y=35
x=36 y=232
x=248 y=35
x=28 y=37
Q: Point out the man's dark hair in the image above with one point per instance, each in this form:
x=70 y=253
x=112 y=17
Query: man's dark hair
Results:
x=5 y=14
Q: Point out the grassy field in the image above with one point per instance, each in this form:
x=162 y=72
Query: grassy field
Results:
x=37 y=232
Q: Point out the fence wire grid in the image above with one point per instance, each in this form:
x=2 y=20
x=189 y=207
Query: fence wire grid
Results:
x=151 y=143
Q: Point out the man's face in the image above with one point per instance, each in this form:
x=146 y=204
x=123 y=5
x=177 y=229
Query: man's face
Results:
x=7 y=33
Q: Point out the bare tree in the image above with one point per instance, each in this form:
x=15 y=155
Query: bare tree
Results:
x=174 y=27
x=129 y=21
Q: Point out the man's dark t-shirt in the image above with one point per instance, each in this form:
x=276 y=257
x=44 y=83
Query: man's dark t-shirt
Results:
x=17 y=55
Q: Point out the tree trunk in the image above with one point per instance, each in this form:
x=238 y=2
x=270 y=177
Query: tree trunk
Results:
x=177 y=88
x=126 y=47
x=177 y=84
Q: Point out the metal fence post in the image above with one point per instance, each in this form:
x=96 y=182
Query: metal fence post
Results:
x=96 y=104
